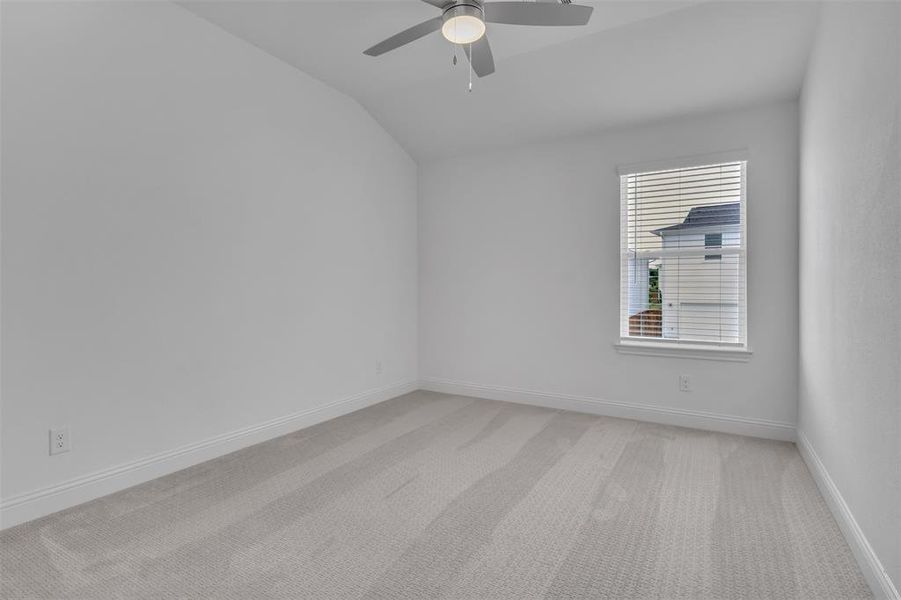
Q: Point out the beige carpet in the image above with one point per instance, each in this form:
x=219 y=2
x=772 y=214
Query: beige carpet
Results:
x=430 y=495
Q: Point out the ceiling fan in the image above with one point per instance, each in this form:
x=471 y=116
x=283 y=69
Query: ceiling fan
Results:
x=463 y=22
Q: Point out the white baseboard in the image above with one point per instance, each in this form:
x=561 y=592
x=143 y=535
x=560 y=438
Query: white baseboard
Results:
x=869 y=562
x=38 y=503
x=775 y=430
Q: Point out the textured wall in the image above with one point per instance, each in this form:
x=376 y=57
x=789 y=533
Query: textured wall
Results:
x=197 y=238
x=520 y=268
x=850 y=392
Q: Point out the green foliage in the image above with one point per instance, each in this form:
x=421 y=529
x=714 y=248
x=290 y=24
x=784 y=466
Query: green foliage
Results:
x=654 y=295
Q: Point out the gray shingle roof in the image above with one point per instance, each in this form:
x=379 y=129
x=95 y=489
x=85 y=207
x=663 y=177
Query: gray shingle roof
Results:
x=706 y=216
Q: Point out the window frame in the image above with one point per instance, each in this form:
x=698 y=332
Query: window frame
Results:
x=695 y=349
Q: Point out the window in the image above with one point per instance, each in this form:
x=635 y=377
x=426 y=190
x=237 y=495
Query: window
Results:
x=713 y=240
x=673 y=289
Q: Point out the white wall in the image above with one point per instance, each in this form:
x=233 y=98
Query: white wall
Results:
x=519 y=272
x=850 y=387
x=197 y=238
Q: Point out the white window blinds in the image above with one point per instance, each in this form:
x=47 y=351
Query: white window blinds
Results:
x=684 y=256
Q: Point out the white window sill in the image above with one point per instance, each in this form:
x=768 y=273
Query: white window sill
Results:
x=683 y=351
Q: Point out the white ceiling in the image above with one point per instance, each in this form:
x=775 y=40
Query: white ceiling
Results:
x=636 y=61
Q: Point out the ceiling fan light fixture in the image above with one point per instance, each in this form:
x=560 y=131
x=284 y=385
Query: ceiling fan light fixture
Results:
x=463 y=24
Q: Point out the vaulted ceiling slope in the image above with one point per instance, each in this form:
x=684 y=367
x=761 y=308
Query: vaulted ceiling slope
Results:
x=637 y=61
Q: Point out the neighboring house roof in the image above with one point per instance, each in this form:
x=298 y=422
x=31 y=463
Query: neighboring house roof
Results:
x=704 y=217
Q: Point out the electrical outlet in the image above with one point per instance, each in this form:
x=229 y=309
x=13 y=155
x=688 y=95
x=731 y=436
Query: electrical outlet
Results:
x=684 y=383
x=378 y=367
x=59 y=441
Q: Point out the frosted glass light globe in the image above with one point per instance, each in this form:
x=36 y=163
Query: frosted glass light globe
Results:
x=463 y=29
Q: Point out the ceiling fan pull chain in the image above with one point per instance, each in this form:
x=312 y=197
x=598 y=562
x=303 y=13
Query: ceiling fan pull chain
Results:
x=470 y=67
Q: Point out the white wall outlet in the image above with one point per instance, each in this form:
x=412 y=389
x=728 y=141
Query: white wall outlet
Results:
x=378 y=367
x=684 y=383
x=59 y=441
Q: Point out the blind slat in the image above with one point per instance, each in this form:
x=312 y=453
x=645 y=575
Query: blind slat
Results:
x=676 y=184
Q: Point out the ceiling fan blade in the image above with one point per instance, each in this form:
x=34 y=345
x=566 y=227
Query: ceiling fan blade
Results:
x=405 y=37
x=438 y=3
x=537 y=13
x=482 y=60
